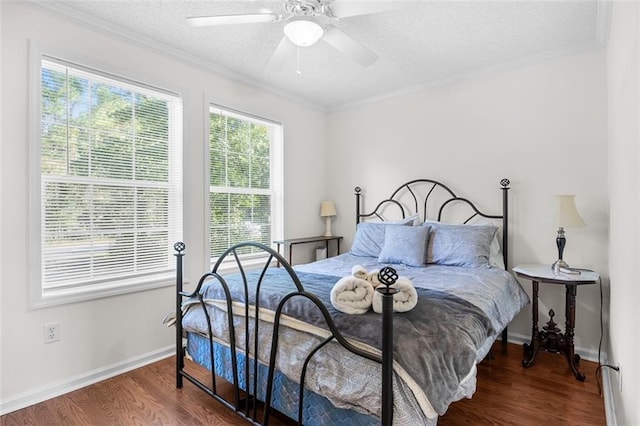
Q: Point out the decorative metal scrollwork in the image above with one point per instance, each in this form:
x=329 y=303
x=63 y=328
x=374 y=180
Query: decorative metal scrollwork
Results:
x=388 y=276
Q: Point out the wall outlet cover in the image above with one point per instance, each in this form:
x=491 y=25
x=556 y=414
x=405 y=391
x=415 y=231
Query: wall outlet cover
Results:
x=51 y=332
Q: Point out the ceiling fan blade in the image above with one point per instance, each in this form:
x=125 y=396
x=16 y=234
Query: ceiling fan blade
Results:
x=346 y=8
x=284 y=51
x=250 y=18
x=345 y=44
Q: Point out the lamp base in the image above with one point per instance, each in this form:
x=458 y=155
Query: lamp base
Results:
x=328 y=229
x=560 y=266
x=557 y=265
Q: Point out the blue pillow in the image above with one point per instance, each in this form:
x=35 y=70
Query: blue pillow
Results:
x=459 y=245
x=369 y=238
x=413 y=220
x=406 y=245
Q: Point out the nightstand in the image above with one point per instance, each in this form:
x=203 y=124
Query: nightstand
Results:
x=290 y=242
x=550 y=338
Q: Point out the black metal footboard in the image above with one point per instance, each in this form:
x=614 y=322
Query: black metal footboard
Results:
x=247 y=406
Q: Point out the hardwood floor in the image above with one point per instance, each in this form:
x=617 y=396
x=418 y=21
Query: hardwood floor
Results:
x=507 y=394
x=545 y=394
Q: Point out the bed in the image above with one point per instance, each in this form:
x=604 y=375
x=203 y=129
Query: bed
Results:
x=320 y=365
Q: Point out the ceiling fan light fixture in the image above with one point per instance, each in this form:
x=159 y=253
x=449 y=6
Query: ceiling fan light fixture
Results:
x=303 y=31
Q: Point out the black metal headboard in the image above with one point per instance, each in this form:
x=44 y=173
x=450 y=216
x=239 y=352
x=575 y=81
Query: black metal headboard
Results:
x=425 y=196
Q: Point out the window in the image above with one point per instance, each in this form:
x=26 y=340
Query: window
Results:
x=245 y=178
x=109 y=203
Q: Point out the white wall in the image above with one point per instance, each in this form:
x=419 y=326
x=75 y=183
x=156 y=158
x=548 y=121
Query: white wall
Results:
x=623 y=58
x=543 y=126
x=1 y=231
x=105 y=333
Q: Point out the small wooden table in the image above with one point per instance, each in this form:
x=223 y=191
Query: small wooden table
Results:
x=551 y=338
x=290 y=242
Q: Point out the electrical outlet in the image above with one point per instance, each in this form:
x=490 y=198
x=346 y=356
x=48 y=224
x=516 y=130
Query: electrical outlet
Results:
x=51 y=332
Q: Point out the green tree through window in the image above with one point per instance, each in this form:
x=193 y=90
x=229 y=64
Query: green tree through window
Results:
x=241 y=179
x=110 y=172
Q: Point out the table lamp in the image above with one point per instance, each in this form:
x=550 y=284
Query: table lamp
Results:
x=327 y=210
x=565 y=215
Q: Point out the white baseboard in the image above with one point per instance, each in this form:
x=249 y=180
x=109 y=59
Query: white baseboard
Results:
x=607 y=392
x=61 y=387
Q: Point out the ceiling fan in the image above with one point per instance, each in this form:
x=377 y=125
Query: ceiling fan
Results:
x=306 y=24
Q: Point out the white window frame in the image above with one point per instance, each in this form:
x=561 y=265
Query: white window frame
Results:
x=154 y=279
x=276 y=174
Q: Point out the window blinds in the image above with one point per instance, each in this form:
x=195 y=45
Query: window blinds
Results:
x=110 y=159
x=241 y=190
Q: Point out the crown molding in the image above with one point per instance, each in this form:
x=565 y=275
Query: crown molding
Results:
x=71 y=15
x=76 y=17
x=601 y=39
x=467 y=75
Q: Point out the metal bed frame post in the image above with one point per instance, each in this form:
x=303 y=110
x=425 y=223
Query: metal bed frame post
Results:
x=179 y=248
x=504 y=183
x=358 y=193
x=387 y=276
x=505 y=220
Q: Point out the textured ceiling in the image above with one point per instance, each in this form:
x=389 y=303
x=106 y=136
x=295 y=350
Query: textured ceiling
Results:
x=421 y=44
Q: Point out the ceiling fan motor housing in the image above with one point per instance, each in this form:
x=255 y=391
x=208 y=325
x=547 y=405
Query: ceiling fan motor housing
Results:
x=304 y=7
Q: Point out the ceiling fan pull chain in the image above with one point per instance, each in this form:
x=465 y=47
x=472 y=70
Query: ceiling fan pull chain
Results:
x=298 y=67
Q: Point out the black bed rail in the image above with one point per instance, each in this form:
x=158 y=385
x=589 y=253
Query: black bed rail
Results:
x=248 y=408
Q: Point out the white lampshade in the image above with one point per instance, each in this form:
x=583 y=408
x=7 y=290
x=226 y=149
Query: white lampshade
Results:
x=564 y=212
x=303 y=31
x=327 y=209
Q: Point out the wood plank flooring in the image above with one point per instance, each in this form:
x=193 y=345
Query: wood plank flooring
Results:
x=545 y=394
x=507 y=394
